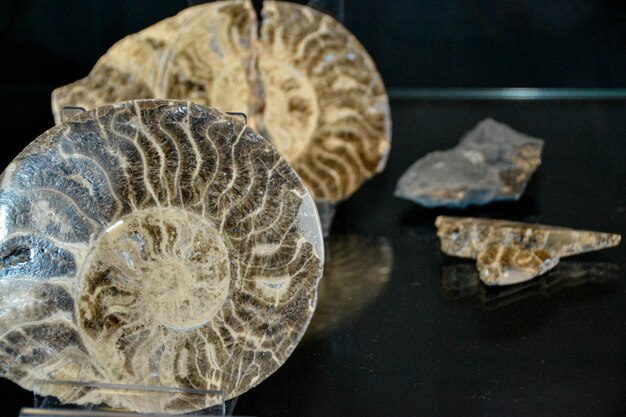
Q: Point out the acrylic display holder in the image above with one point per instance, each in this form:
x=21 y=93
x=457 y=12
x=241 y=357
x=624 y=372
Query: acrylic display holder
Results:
x=68 y=398
x=68 y=112
x=37 y=412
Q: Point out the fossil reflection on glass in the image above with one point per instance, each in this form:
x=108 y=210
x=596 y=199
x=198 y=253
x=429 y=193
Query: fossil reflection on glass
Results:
x=511 y=252
x=461 y=281
x=491 y=163
x=305 y=82
x=356 y=271
x=154 y=242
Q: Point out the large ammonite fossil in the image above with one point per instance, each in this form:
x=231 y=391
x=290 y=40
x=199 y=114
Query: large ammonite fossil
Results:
x=158 y=243
x=306 y=83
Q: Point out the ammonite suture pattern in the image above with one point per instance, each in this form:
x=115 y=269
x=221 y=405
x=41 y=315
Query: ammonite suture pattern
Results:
x=154 y=242
x=306 y=84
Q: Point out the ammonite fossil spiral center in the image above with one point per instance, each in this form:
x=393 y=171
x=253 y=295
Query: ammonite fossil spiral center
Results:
x=289 y=95
x=160 y=266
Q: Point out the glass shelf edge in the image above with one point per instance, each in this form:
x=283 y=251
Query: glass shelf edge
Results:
x=507 y=93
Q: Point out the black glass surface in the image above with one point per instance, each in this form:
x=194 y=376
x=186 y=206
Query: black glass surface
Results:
x=430 y=346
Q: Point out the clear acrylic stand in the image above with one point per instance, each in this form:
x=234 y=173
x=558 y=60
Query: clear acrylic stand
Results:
x=68 y=112
x=335 y=8
x=461 y=281
x=240 y=115
x=326 y=211
x=38 y=412
x=67 y=398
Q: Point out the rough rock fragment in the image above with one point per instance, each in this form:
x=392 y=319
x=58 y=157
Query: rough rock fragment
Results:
x=491 y=163
x=511 y=252
x=306 y=84
x=157 y=243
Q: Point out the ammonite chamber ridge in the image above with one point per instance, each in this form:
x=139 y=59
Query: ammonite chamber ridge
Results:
x=306 y=83
x=157 y=243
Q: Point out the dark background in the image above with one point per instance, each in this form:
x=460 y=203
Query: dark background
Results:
x=427 y=43
x=415 y=349
x=415 y=43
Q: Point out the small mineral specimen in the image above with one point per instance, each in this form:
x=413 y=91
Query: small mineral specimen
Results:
x=492 y=162
x=305 y=82
x=512 y=252
x=154 y=242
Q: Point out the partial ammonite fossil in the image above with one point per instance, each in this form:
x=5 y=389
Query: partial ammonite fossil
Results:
x=158 y=243
x=306 y=83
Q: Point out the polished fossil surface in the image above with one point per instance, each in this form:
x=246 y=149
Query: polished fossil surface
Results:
x=512 y=252
x=305 y=82
x=491 y=163
x=154 y=243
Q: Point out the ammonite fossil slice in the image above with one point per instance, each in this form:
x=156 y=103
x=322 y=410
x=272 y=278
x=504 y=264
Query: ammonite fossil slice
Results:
x=157 y=243
x=307 y=84
x=511 y=252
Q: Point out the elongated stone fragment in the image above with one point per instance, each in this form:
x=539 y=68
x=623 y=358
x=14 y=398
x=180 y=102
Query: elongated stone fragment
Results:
x=510 y=252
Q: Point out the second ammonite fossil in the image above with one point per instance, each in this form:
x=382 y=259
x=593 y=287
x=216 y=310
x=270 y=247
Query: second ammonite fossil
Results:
x=306 y=83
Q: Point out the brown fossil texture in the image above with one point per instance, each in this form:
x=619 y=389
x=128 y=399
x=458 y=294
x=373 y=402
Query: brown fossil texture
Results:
x=511 y=252
x=157 y=243
x=306 y=84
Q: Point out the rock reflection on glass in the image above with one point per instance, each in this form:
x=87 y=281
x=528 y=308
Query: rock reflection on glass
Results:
x=357 y=269
x=461 y=281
